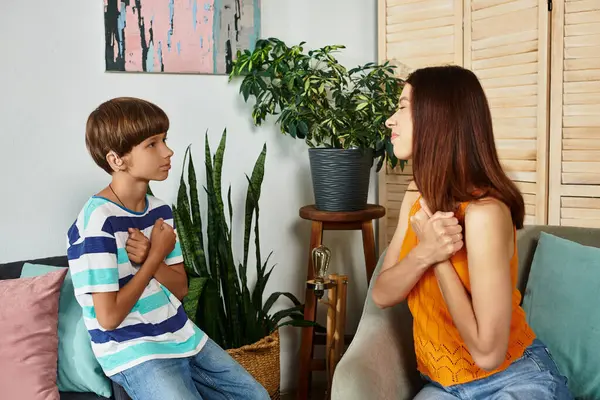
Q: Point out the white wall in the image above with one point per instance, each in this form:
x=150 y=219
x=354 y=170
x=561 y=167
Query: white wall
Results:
x=51 y=77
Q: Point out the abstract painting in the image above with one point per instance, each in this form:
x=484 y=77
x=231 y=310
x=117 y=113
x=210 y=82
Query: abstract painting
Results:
x=178 y=36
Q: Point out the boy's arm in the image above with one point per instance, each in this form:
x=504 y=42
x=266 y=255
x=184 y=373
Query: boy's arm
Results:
x=171 y=273
x=93 y=263
x=174 y=278
x=112 y=307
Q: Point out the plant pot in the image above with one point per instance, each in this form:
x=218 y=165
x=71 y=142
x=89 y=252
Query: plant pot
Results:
x=340 y=178
x=261 y=360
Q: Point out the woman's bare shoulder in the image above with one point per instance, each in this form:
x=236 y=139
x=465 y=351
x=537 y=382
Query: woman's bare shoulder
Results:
x=411 y=195
x=491 y=215
x=489 y=207
x=412 y=187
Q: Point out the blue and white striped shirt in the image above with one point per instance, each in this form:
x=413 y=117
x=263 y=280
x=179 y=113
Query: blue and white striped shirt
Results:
x=157 y=326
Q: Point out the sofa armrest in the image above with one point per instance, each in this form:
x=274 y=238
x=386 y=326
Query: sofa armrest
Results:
x=380 y=362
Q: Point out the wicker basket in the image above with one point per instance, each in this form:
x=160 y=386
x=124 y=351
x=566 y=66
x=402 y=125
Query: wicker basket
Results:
x=261 y=360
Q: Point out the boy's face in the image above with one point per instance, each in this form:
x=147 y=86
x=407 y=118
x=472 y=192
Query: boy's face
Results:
x=150 y=160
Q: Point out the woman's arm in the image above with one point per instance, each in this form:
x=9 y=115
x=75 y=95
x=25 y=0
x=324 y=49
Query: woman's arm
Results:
x=394 y=284
x=483 y=319
x=396 y=279
x=439 y=238
x=393 y=251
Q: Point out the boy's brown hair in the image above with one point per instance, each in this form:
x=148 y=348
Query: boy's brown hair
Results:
x=119 y=125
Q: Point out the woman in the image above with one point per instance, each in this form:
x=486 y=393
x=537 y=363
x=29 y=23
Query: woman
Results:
x=471 y=337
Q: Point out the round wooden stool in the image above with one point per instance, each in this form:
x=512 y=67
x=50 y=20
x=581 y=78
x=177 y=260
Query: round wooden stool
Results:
x=321 y=221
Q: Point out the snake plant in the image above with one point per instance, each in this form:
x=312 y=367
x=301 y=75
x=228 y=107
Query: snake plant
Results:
x=219 y=300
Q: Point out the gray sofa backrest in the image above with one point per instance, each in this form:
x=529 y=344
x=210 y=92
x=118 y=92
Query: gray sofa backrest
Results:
x=12 y=270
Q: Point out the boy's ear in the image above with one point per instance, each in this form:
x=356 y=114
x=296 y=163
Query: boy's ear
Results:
x=115 y=162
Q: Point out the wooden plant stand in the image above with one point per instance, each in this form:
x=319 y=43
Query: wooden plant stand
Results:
x=322 y=221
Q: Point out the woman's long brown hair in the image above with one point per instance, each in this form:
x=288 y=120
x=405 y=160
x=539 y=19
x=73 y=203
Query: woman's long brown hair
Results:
x=454 y=153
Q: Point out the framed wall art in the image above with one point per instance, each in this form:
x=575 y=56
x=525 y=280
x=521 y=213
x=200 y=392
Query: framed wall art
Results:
x=178 y=36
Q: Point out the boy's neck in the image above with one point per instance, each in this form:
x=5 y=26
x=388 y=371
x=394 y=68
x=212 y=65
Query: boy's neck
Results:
x=129 y=192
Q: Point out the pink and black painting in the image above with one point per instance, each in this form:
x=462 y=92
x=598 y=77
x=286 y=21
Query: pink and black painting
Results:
x=178 y=36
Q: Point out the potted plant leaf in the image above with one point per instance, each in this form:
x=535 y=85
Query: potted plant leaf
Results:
x=219 y=299
x=340 y=113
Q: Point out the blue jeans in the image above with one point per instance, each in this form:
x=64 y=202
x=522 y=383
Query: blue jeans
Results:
x=534 y=376
x=210 y=375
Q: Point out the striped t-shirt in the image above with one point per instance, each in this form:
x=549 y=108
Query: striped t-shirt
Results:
x=157 y=326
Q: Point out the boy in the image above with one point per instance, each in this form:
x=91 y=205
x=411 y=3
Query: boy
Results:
x=127 y=269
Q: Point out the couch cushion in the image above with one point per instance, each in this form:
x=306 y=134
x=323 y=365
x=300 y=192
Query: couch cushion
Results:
x=561 y=308
x=78 y=369
x=28 y=336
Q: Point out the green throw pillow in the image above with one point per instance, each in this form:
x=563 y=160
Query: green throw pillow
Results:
x=561 y=302
x=78 y=369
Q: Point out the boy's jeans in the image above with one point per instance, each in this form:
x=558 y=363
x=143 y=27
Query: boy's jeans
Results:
x=534 y=376
x=210 y=375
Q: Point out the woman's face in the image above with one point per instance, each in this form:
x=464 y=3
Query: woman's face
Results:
x=402 y=127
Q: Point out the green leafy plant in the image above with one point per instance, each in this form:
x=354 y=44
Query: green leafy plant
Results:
x=319 y=100
x=219 y=300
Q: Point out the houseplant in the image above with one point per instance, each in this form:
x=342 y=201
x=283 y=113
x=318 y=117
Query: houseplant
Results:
x=339 y=113
x=219 y=300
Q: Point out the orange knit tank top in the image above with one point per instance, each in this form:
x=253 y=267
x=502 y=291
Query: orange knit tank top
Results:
x=441 y=353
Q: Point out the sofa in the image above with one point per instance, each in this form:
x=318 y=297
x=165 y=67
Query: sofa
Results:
x=13 y=271
x=380 y=362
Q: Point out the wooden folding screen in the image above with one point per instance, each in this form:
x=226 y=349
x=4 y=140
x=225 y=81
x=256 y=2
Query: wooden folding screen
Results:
x=417 y=34
x=574 y=184
x=540 y=68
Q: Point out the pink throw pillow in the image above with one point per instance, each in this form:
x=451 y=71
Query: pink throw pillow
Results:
x=29 y=337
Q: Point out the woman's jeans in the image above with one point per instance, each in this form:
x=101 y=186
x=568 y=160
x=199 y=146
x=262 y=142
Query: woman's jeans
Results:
x=534 y=376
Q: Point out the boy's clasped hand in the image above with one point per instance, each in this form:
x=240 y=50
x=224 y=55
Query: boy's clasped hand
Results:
x=138 y=246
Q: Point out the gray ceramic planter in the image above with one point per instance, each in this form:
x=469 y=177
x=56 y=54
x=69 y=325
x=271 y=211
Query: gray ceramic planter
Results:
x=340 y=178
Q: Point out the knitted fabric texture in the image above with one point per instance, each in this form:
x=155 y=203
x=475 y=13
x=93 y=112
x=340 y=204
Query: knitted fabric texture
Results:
x=441 y=353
